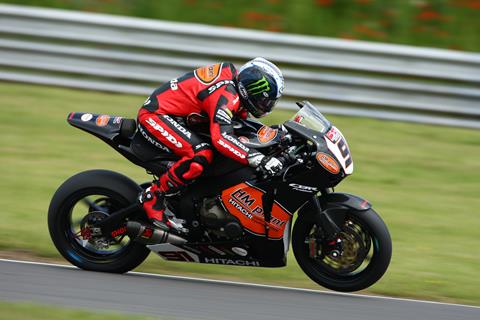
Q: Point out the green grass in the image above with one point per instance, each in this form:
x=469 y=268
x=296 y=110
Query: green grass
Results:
x=29 y=311
x=423 y=180
x=433 y=23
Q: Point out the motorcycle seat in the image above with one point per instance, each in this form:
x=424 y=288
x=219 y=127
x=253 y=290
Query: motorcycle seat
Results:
x=128 y=128
x=147 y=152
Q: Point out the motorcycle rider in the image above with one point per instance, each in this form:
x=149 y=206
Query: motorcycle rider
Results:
x=221 y=93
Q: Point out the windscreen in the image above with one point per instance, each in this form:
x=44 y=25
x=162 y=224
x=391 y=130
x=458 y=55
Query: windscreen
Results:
x=310 y=117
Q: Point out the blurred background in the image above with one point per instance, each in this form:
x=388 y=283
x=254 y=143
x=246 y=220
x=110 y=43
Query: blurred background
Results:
x=401 y=79
x=449 y=24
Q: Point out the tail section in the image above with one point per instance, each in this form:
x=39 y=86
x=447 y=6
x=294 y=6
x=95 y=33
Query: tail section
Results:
x=104 y=126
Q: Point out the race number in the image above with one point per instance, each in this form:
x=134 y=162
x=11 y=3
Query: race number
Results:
x=337 y=144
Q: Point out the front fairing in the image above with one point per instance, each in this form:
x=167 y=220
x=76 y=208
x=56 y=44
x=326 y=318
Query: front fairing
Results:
x=332 y=160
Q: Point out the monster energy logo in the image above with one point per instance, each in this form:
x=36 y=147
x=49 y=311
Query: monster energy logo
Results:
x=259 y=86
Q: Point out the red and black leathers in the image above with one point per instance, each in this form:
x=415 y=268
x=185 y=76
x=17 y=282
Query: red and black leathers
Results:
x=210 y=91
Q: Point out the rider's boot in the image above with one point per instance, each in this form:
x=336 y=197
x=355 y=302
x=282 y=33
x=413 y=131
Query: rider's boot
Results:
x=153 y=202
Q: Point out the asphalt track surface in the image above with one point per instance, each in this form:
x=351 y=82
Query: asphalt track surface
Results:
x=189 y=298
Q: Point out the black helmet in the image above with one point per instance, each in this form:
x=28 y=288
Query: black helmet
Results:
x=260 y=84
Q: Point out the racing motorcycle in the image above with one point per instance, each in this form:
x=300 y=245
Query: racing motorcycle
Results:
x=232 y=215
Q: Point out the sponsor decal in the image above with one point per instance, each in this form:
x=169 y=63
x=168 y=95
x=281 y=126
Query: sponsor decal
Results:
x=150 y=139
x=242 y=91
x=164 y=132
x=298 y=119
x=266 y=134
x=208 y=74
x=337 y=144
x=328 y=163
x=218 y=85
x=223 y=116
x=302 y=188
x=117 y=120
x=201 y=145
x=277 y=222
x=233 y=262
x=235 y=141
x=86 y=117
x=176 y=256
x=243 y=139
x=119 y=231
x=174 y=84
x=246 y=201
x=240 y=251
x=333 y=135
x=230 y=148
x=178 y=126
x=147 y=233
x=171 y=252
x=235 y=100
x=240 y=208
x=257 y=87
x=102 y=120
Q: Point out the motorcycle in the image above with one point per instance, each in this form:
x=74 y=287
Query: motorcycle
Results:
x=232 y=214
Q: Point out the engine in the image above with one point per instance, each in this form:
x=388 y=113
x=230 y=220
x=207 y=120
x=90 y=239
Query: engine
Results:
x=221 y=223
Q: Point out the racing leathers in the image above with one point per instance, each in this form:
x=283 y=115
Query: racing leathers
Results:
x=210 y=91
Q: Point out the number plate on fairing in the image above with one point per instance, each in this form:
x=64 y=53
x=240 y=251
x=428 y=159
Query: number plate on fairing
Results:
x=337 y=144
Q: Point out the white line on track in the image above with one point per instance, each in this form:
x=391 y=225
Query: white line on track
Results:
x=248 y=284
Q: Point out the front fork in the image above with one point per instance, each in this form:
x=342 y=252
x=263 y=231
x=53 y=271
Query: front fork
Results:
x=331 y=243
x=323 y=220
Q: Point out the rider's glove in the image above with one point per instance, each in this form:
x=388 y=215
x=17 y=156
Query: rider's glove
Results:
x=270 y=165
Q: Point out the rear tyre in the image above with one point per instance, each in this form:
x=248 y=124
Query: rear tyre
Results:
x=83 y=199
x=365 y=246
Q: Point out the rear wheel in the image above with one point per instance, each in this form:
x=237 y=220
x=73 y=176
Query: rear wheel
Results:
x=81 y=201
x=355 y=259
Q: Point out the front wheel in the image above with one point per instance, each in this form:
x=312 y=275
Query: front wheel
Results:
x=355 y=259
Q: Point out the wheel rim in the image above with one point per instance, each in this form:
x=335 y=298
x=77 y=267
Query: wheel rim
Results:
x=83 y=209
x=357 y=245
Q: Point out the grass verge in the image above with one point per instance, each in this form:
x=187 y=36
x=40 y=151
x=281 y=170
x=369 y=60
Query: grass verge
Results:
x=423 y=180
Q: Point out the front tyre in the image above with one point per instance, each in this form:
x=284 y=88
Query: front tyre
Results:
x=83 y=200
x=357 y=257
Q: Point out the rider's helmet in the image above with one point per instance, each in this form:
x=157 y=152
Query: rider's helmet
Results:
x=260 y=85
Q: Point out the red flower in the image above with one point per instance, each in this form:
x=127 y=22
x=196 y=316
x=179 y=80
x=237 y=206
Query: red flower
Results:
x=471 y=4
x=430 y=15
x=258 y=16
x=324 y=3
x=474 y=4
x=369 y=32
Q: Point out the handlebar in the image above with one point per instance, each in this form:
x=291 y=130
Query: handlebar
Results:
x=288 y=159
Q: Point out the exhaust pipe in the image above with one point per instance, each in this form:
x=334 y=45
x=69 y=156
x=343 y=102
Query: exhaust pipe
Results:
x=145 y=234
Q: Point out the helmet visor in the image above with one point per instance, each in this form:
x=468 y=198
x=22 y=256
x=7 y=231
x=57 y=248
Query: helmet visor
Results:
x=263 y=105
